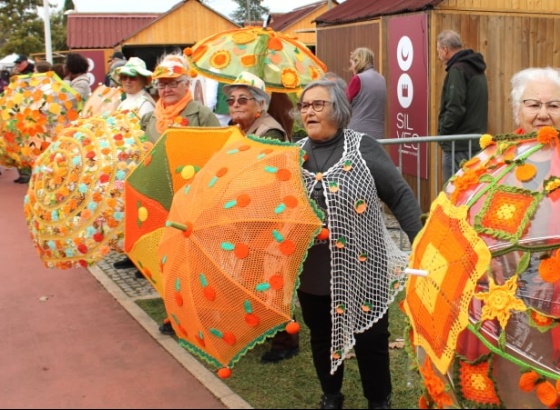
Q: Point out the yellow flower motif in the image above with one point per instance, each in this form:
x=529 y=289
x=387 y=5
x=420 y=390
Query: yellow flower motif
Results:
x=500 y=301
x=486 y=140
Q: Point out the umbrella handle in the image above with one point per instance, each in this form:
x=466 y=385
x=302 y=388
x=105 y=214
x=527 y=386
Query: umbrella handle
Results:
x=417 y=272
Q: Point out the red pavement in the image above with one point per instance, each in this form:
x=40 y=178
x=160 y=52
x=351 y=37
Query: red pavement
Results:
x=66 y=342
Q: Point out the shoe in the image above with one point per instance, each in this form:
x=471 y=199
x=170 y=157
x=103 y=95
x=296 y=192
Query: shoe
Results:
x=124 y=264
x=379 y=405
x=138 y=275
x=277 y=355
x=167 y=329
x=331 y=401
x=23 y=180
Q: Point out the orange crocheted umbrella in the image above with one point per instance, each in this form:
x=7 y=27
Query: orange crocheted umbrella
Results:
x=33 y=110
x=284 y=63
x=102 y=99
x=484 y=318
x=232 y=250
x=74 y=204
x=174 y=160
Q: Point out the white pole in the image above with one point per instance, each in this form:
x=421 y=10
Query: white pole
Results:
x=47 y=21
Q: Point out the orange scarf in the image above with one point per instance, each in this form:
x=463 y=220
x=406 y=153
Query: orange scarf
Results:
x=166 y=115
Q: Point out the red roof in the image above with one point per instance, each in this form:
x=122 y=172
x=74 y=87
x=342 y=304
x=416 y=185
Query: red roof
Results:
x=281 y=21
x=361 y=10
x=104 y=30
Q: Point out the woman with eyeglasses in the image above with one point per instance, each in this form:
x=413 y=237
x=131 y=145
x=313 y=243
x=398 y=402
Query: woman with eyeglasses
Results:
x=346 y=282
x=248 y=104
x=134 y=78
x=176 y=104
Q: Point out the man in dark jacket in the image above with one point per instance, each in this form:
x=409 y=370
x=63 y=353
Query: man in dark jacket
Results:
x=464 y=100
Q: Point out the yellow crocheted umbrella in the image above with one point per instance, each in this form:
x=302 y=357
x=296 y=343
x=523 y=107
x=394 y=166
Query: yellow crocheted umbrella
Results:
x=33 y=110
x=285 y=64
x=232 y=250
x=174 y=160
x=75 y=201
x=484 y=317
x=102 y=99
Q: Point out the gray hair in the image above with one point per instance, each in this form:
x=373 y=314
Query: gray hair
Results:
x=258 y=97
x=522 y=78
x=450 y=39
x=341 y=108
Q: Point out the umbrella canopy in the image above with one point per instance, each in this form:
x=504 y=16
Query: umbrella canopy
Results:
x=484 y=319
x=75 y=201
x=102 y=99
x=149 y=189
x=285 y=64
x=233 y=247
x=33 y=110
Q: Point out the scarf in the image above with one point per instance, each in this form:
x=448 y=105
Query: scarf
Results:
x=166 y=115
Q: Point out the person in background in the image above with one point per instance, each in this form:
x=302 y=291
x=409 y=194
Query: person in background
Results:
x=43 y=66
x=134 y=79
x=115 y=61
x=216 y=100
x=76 y=68
x=248 y=104
x=23 y=66
x=367 y=93
x=336 y=280
x=464 y=100
x=59 y=70
x=280 y=108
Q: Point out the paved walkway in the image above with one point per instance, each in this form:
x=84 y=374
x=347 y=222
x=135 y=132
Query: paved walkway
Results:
x=76 y=339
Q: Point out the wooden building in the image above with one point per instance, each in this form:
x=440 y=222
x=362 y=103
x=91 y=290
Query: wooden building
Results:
x=511 y=35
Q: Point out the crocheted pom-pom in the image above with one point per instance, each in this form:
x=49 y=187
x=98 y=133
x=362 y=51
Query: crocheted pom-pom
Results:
x=547 y=393
x=528 y=380
x=224 y=373
x=292 y=328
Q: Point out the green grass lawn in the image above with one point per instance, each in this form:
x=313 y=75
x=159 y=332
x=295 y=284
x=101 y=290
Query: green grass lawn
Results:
x=293 y=384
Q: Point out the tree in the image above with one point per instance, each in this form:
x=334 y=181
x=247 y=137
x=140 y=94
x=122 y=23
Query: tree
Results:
x=22 y=28
x=249 y=10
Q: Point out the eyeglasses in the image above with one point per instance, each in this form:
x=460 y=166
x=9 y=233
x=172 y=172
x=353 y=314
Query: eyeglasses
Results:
x=534 y=106
x=240 y=101
x=317 y=105
x=129 y=78
x=170 y=84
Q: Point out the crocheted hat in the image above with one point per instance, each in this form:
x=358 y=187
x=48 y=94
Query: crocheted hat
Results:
x=171 y=67
x=249 y=80
x=133 y=67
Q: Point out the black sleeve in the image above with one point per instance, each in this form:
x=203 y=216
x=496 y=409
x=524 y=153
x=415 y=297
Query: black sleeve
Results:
x=392 y=188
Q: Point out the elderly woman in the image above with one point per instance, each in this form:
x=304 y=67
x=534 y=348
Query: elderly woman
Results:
x=535 y=99
x=248 y=104
x=175 y=105
x=134 y=78
x=345 y=289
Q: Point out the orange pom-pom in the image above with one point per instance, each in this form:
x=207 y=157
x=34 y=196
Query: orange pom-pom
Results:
x=546 y=393
x=323 y=235
x=224 y=373
x=292 y=328
x=187 y=51
x=528 y=380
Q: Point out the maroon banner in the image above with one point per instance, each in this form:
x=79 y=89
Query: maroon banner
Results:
x=408 y=90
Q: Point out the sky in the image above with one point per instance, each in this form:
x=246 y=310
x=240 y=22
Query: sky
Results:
x=225 y=7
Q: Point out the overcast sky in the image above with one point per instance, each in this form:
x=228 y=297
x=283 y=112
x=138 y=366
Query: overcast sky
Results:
x=225 y=7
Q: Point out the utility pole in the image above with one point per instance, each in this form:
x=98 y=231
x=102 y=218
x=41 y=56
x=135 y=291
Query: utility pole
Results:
x=47 y=22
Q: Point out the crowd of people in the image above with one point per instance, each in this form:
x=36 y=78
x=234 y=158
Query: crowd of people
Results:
x=342 y=123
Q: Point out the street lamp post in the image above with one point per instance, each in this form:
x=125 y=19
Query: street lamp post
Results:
x=47 y=22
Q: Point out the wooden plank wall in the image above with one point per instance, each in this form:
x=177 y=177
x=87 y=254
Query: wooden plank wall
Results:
x=304 y=29
x=510 y=6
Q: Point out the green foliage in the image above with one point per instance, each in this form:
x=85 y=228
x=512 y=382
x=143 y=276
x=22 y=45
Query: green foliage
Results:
x=249 y=10
x=22 y=30
x=293 y=384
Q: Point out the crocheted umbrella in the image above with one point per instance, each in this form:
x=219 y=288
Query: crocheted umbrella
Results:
x=174 y=160
x=75 y=201
x=33 y=110
x=102 y=99
x=485 y=315
x=285 y=64
x=232 y=250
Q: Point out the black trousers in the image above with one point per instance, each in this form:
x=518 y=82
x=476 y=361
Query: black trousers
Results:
x=371 y=349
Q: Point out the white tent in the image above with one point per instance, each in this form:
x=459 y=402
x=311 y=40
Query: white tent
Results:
x=9 y=59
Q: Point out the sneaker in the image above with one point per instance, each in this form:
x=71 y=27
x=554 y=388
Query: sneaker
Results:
x=124 y=264
x=167 y=329
x=277 y=355
x=332 y=401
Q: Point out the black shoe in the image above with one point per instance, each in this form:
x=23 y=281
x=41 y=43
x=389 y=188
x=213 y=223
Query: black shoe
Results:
x=379 y=405
x=138 y=275
x=331 y=401
x=124 y=264
x=167 y=329
x=23 y=179
x=277 y=355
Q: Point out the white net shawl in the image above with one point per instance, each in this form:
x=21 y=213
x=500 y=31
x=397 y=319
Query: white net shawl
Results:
x=366 y=264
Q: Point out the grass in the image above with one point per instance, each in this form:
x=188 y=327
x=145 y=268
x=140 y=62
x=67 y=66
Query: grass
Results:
x=293 y=384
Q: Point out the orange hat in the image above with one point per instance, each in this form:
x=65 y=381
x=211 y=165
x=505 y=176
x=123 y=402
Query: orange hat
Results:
x=170 y=67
